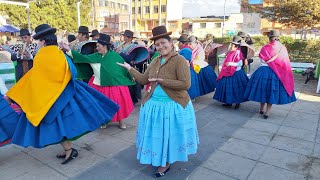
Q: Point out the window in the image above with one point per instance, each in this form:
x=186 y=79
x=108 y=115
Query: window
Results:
x=139 y=10
x=203 y=25
x=124 y=7
x=102 y=3
x=112 y=4
x=118 y=7
x=107 y=3
x=163 y=8
x=103 y=13
x=133 y=22
x=155 y=9
x=101 y=25
x=147 y=9
x=217 y=25
x=133 y=10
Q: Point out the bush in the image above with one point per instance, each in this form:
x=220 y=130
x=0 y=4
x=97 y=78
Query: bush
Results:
x=299 y=50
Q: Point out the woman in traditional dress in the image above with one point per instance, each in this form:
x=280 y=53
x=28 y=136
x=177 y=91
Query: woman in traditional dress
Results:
x=206 y=75
x=186 y=52
x=56 y=107
x=109 y=79
x=273 y=82
x=167 y=130
x=232 y=80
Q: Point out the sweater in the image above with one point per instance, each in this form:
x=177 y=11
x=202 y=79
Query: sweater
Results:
x=111 y=74
x=175 y=74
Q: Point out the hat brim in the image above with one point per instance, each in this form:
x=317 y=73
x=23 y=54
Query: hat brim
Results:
x=84 y=32
x=28 y=34
x=103 y=42
x=128 y=35
x=44 y=32
x=160 y=36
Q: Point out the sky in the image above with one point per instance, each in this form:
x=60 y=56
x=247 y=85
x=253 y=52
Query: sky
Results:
x=197 y=8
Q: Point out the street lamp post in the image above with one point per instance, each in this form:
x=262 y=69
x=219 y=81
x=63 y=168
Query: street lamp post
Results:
x=78 y=11
x=224 y=17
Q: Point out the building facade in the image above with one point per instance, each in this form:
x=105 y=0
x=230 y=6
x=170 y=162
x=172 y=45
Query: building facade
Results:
x=111 y=16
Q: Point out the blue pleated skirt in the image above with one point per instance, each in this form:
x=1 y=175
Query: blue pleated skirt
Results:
x=78 y=110
x=166 y=132
x=194 y=90
x=230 y=90
x=264 y=86
x=8 y=120
x=207 y=80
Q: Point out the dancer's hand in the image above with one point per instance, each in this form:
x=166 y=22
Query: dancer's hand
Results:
x=125 y=65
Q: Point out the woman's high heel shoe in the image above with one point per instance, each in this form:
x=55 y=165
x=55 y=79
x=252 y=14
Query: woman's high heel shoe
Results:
x=73 y=155
x=160 y=174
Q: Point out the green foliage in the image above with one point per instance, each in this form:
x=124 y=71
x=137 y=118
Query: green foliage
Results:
x=292 y=13
x=299 y=50
x=61 y=14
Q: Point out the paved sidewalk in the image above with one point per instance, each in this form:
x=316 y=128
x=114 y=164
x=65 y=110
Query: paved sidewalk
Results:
x=234 y=144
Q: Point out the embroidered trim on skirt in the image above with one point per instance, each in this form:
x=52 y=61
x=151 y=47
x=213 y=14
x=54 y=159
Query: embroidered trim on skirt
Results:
x=231 y=89
x=118 y=94
x=166 y=132
x=264 y=86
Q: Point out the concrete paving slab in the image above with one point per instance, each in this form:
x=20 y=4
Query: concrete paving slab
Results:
x=292 y=145
x=268 y=172
x=128 y=135
x=109 y=147
x=18 y=165
x=207 y=174
x=286 y=160
x=262 y=126
x=7 y=152
x=85 y=160
x=243 y=148
x=302 y=120
x=232 y=165
x=46 y=155
x=297 y=133
x=88 y=139
x=306 y=107
x=254 y=136
x=43 y=172
x=314 y=170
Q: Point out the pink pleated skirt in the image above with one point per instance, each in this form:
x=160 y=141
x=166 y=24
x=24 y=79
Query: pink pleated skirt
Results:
x=118 y=94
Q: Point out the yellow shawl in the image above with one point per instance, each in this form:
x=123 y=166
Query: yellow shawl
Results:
x=38 y=90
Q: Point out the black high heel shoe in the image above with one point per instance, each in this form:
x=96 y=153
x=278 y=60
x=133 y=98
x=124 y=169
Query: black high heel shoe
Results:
x=261 y=112
x=237 y=106
x=160 y=174
x=73 y=155
x=265 y=116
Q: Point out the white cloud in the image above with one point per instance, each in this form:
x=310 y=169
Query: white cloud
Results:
x=197 y=8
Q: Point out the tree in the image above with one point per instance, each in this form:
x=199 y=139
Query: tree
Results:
x=302 y=14
x=61 y=14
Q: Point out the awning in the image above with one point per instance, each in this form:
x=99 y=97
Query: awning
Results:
x=8 y=28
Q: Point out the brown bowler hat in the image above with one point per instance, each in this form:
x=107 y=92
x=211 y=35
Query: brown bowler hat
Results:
x=159 y=32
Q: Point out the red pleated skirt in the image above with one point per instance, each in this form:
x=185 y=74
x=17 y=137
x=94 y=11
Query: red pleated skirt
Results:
x=118 y=94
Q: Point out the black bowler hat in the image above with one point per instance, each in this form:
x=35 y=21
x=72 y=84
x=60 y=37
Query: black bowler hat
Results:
x=242 y=34
x=83 y=30
x=183 y=39
x=104 y=39
x=42 y=30
x=128 y=33
x=159 y=32
x=94 y=33
x=236 y=40
x=274 y=33
x=24 y=32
